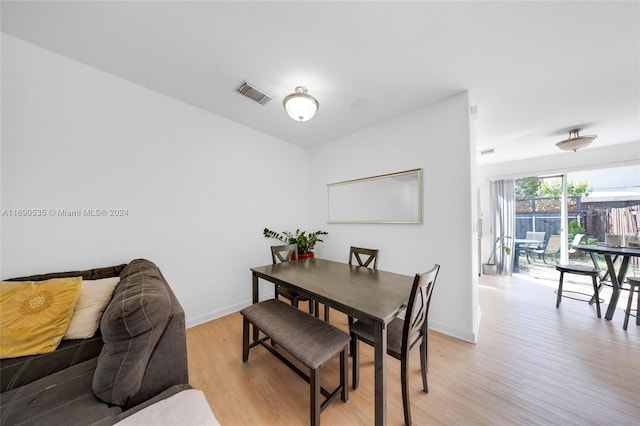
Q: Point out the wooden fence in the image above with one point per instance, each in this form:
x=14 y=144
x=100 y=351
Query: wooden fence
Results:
x=598 y=219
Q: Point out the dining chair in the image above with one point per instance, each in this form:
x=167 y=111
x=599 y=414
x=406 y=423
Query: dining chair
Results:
x=286 y=253
x=403 y=335
x=634 y=287
x=551 y=248
x=363 y=257
x=590 y=271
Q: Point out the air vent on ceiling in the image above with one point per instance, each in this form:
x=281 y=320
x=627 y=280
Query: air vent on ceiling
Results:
x=254 y=93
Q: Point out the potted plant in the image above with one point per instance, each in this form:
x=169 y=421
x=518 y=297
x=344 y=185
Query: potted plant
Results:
x=490 y=268
x=305 y=241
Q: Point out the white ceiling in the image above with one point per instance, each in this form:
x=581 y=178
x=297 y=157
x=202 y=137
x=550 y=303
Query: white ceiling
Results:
x=534 y=69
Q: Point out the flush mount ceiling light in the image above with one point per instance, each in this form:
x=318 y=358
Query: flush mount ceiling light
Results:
x=300 y=105
x=575 y=141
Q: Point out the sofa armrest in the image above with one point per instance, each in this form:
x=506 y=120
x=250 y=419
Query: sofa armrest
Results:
x=143 y=328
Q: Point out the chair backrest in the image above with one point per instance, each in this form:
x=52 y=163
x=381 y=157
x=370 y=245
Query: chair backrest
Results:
x=415 y=322
x=284 y=253
x=533 y=235
x=553 y=244
x=364 y=256
x=576 y=239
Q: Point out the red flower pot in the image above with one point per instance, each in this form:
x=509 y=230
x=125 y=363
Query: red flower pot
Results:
x=303 y=256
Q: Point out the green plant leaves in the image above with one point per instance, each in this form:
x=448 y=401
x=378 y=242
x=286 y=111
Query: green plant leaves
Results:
x=306 y=241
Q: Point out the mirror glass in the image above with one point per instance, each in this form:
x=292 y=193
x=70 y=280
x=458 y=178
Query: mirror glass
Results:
x=389 y=198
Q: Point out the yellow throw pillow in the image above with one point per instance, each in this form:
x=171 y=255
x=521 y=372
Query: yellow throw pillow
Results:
x=34 y=315
x=94 y=297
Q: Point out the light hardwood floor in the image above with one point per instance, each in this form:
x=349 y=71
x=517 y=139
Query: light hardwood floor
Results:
x=533 y=365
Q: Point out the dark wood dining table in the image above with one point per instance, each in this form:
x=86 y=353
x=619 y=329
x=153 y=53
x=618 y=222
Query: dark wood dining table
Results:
x=617 y=277
x=372 y=296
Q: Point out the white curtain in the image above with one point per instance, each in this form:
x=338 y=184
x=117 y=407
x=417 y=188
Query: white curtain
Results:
x=503 y=223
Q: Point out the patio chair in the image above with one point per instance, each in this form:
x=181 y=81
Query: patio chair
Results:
x=551 y=248
x=532 y=235
x=575 y=242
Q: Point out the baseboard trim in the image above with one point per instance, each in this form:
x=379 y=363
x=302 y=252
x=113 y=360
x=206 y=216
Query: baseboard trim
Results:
x=227 y=310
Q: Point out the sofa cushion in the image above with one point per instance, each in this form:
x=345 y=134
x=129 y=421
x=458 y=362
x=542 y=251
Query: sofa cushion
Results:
x=92 y=301
x=131 y=326
x=34 y=315
x=62 y=398
x=16 y=372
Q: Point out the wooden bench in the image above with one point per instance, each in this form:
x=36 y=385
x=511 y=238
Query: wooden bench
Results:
x=310 y=340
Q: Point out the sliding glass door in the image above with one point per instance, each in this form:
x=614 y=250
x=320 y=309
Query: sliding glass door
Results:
x=610 y=206
x=540 y=217
x=575 y=208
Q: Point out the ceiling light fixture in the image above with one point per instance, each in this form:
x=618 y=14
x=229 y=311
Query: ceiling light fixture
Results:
x=575 y=141
x=300 y=105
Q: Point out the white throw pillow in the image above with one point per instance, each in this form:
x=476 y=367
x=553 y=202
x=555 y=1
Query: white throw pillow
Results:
x=93 y=299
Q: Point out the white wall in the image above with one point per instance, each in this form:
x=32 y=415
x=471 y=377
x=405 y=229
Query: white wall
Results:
x=436 y=139
x=198 y=188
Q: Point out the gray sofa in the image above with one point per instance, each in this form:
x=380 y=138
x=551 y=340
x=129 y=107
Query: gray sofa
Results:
x=138 y=357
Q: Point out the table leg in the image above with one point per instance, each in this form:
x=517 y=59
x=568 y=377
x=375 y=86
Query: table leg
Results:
x=254 y=285
x=605 y=277
x=516 y=260
x=616 y=283
x=380 y=349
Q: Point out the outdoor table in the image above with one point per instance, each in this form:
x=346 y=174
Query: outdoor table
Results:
x=516 y=251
